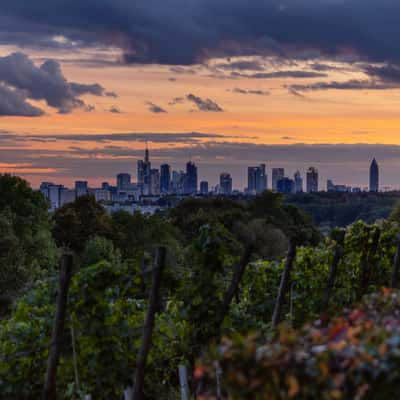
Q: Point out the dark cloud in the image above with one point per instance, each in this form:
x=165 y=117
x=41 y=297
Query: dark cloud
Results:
x=13 y=103
x=386 y=73
x=189 y=137
x=280 y=74
x=45 y=82
x=182 y=70
x=149 y=31
x=154 y=108
x=206 y=105
x=317 y=66
x=111 y=94
x=176 y=100
x=115 y=110
x=249 y=91
x=242 y=65
x=353 y=84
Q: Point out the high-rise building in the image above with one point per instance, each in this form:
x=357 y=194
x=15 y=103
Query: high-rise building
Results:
x=178 y=182
x=298 y=182
x=165 y=178
x=191 y=178
x=256 y=179
x=204 y=187
x=123 y=182
x=312 y=180
x=225 y=184
x=154 y=182
x=285 y=185
x=67 y=196
x=81 y=188
x=102 y=194
x=144 y=171
x=277 y=174
x=374 y=177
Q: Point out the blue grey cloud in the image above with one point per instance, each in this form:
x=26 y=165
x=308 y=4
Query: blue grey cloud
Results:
x=13 y=103
x=45 y=82
x=206 y=105
x=154 y=108
x=186 y=31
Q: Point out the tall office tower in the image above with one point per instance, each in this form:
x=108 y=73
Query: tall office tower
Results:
x=143 y=172
x=154 y=182
x=178 y=182
x=81 y=188
x=261 y=182
x=123 y=182
x=277 y=174
x=256 y=179
x=225 y=184
x=191 y=178
x=204 y=187
x=374 y=177
x=55 y=196
x=285 y=185
x=312 y=180
x=44 y=189
x=165 y=178
x=67 y=196
x=298 y=182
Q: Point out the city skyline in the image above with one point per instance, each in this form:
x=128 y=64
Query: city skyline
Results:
x=167 y=180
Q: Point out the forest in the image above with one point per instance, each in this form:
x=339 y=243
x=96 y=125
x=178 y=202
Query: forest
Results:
x=216 y=299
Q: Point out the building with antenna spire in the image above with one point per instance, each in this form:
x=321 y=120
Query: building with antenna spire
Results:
x=374 y=176
x=144 y=172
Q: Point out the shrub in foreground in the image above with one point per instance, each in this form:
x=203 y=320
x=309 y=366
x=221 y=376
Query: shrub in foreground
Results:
x=353 y=356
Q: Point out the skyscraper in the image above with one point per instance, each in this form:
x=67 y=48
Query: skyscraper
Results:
x=123 y=182
x=165 y=178
x=143 y=172
x=154 y=187
x=191 y=178
x=374 y=177
x=225 y=183
x=298 y=182
x=285 y=185
x=81 y=188
x=256 y=179
x=204 y=187
x=277 y=174
x=312 y=180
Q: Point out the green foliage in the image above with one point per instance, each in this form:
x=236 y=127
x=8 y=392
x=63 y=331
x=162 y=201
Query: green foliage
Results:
x=78 y=222
x=329 y=209
x=192 y=214
x=205 y=240
x=27 y=250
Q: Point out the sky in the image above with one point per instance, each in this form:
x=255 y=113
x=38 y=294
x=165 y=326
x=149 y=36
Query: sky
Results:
x=297 y=83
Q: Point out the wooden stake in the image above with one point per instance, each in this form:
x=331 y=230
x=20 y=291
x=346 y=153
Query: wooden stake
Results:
x=49 y=390
x=154 y=302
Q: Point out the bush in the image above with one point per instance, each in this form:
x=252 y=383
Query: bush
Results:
x=353 y=356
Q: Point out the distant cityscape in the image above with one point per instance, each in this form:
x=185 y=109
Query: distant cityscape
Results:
x=154 y=186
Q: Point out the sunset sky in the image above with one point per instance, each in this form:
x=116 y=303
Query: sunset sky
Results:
x=84 y=84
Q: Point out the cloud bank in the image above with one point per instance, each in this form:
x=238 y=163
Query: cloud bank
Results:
x=148 y=32
x=21 y=80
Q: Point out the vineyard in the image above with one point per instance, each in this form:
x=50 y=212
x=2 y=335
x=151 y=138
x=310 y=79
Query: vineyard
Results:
x=217 y=299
